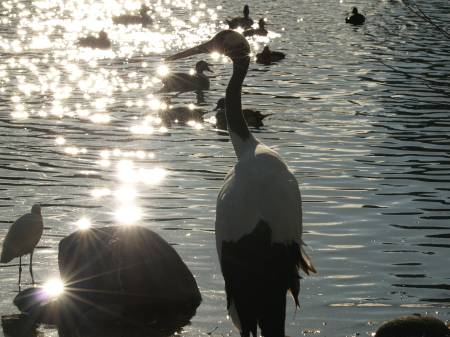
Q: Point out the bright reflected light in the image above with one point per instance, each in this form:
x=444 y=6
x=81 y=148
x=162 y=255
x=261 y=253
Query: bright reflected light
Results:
x=152 y=176
x=163 y=70
x=128 y=215
x=215 y=55
x=100 y=192
x=54 y=288
x=100 y=118
x=19 y=114
x=60 y=140
x=154 y=104
x=126 y=193
x=84 y=224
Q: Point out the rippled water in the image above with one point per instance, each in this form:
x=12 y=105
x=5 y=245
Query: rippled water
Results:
x=362 y=115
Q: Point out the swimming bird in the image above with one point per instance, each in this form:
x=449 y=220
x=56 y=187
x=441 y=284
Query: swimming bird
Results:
x=244 y=22
x=252 y=117
x=22 y=238
x=267 y=56
x=258 y=215
x=128 y=19
x=356 y=18
x=181 y=82
x=100 y=42
x=261 y=30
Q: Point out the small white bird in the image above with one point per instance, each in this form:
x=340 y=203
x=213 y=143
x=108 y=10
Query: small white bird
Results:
x=22 y=238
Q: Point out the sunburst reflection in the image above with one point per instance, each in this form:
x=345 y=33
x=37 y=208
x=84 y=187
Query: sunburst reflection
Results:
x=53 y=288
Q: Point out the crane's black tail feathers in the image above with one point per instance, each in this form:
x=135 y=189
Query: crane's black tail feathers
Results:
x=258 y=273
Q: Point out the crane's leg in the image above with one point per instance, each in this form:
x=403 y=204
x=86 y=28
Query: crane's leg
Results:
x=31 y=267
x=20 y=268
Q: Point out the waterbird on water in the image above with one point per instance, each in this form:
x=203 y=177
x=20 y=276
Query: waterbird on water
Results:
x=22 y=238
x=258 y=214
x=244 y=22
x=356 y=18
x=267 y=56
x=261 y=30
x=252 y=117
x=100 y=42
x=128 y=19
x=180 y=82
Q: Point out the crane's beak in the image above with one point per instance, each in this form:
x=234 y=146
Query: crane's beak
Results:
x=200 y=49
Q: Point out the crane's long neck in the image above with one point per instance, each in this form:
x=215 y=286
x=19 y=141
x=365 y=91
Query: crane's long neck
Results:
x=240 y=135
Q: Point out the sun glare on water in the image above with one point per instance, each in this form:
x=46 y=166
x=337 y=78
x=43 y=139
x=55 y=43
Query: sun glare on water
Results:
x=84 y=224
x=53 y=288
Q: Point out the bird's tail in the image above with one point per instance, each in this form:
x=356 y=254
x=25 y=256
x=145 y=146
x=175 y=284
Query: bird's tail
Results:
x=305 y=262
x=7 y=255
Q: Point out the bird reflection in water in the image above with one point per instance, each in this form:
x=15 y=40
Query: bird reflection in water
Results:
x=180 y=115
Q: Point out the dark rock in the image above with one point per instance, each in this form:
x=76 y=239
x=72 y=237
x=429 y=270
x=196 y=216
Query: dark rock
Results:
x=128 y=270
x=414 y=326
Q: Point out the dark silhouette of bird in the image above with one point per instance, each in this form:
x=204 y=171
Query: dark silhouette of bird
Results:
x=100 y=42
x=180 y=82
x=128 y=19
x=252 y=117
x=244 y=22
x=22 y=238
x=261 y=30
x=258 y=215
x=267 y=56
x=356 y=18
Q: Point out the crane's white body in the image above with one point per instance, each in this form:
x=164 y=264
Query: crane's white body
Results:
x=259 y=187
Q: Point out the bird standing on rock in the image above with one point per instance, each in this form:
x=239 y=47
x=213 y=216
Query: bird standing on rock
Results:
x=258 y=215
x=22 y=238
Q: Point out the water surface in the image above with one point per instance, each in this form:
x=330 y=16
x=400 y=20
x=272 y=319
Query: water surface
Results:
x=361 y=115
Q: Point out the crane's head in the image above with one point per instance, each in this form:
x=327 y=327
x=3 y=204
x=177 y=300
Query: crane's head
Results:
x=36 y=209
x=227 y=42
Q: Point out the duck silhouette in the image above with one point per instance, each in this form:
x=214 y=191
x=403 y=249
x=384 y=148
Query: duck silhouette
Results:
x=181 y=82
x=261 y=30
x=267 y=56
x=128 y=19
x=253 y=118
x=100 y=42
x=244 y=22
x=356 y=18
